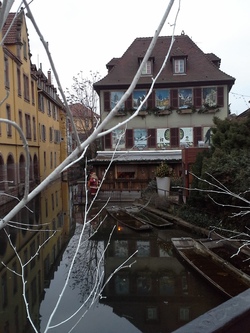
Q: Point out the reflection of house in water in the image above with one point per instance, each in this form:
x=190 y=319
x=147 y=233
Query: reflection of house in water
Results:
x=156 y=293
x=39 y=223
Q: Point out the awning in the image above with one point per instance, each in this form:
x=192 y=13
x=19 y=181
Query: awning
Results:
x=138 y=156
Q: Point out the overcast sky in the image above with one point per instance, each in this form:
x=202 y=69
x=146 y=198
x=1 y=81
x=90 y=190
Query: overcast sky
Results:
x=86 y=35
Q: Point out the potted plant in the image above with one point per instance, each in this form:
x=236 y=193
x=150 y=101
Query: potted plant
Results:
x=163 y=173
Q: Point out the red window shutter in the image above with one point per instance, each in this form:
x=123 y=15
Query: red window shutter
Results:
x=174 y=137
x=151 y=138
x=151 y=100
x=128 y=103
x=106 y=101
x=197 y=135
x=107 y=140
x=220 y=96
x=174 y=98
x=197 y=98
x=129 y=138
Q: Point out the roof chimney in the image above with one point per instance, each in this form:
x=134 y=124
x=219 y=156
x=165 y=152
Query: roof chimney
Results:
x=49 y=77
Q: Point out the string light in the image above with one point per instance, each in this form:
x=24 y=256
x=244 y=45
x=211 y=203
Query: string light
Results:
x=245 y=98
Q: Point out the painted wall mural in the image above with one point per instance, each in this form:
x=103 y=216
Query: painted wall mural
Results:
x=140 y=138
x=185 y=98
x=186 y=136
x=115 y=97
x=210 y=96
x=118 y=139
x=163 y=137
x=138 y=97
x=162 y=99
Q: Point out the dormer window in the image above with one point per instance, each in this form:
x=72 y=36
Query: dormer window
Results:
x=179 y=65
x=148 y=68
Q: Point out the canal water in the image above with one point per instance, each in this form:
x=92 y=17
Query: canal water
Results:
x=123 y=281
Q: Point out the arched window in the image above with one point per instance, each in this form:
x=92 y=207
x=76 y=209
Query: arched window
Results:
x=36 y=168
x=11 y=170
x=22 y=168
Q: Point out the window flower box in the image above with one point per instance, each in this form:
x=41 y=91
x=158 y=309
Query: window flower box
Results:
x=185 y=111
x=163 y=112
x=142 y=113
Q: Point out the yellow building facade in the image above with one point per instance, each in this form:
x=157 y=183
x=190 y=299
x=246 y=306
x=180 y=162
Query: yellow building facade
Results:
x=29 y=99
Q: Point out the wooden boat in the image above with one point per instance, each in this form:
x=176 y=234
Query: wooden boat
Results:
x=149 y=218
x=217 y=271
x=126 y=219
x=228 y=249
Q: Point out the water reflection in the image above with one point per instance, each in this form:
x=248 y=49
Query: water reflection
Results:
x=156 y=294
x=39 y=233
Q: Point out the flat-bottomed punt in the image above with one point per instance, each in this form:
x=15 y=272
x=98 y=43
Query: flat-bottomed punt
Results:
x=149 y=218
x=220 y=273
x=126 y=219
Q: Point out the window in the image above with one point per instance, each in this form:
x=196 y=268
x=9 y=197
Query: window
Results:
x=26 y=87
x=53 y=207
x=50 y=134
x=32 y=92
x=185 y=98
x=163 y=138
x=186 y=137
x=49 y=108
x=54 y=112
x=20 y=115
x=179 y=66
x=125 y=172
x=162 y=99
x=44 y=159
x=184 y=314
x=147 y=69
x=51 y=160
x=138 y=98
x=34 y=128
x=24 y=49
x=43 y=132
x=8 y=116
x=27 y=126
x=115 y=97
x=140 y=138
x=118 y=139
x=6 y=72
x=19 y=88
x=40 y=102
x=57 y=136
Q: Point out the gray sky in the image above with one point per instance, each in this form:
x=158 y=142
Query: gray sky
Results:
x=85 y=35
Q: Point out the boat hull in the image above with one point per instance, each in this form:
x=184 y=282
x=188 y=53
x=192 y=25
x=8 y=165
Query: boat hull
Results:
x=128 y=220
x=217 y=271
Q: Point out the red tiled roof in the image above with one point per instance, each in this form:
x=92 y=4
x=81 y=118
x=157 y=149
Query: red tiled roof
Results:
x=15 y=32
x=79 y=110
x=200 y=67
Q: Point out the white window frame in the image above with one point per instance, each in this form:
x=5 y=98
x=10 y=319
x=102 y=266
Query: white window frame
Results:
x=179 y=66
x=147 y=69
